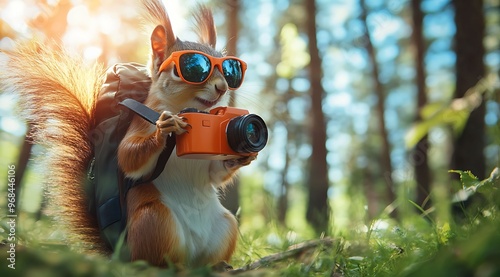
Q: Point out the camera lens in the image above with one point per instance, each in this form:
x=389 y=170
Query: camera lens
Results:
x=247 y=133
x=252 y=134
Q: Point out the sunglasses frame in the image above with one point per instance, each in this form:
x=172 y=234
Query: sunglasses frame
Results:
x=214 y=62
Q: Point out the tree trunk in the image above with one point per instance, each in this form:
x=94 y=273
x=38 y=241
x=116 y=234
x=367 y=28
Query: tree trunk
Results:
x=233 y=26
x=370 y=194
x=380 y=109
x=317 y=206
x=231 y=199
x=470 y=27
x=283 y=197
x=419 y=154
x=22 y=164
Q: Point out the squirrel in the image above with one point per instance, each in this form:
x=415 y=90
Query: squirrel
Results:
x=176 y=218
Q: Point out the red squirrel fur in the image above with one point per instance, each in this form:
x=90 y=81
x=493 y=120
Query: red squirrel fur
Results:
x=176 y=218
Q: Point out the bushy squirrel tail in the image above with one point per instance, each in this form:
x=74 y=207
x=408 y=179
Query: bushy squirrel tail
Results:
x=57 y=95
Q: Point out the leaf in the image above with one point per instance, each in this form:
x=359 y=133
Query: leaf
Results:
x=467 y=178
x=471 y=184
x=416 y=133
x=294 y=54
x=431 y=109
x=435 y=115
x=490 y=182
x=444 y=232
x=457 y=119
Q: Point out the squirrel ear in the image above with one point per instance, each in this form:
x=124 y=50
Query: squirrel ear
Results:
x=207 y=33
x=159 y=42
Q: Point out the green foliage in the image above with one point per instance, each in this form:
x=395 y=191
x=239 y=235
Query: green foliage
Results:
x=472 y=184
x=475 y=250
x=437 y=114
x=476 y=256
x=49 y=262
x=454 y=114
x=294 y=52
x=415 y=246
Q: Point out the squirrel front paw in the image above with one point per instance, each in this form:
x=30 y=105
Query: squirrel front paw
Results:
x=237 y=163
x=222 y=171
x=170 y=123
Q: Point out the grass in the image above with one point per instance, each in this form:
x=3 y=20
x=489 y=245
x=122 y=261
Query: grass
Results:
x=389 y=252
x=417 y=245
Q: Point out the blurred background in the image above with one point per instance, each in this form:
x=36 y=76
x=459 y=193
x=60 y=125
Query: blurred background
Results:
x=369 y=103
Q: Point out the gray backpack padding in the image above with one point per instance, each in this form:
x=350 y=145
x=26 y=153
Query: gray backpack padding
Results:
x=125 y=80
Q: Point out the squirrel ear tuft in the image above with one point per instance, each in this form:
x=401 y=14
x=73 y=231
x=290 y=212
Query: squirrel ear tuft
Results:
x=205 y=26
x=163 y=36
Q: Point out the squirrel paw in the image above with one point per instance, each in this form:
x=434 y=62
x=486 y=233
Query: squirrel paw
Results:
x=237 y=163
x=168 y=123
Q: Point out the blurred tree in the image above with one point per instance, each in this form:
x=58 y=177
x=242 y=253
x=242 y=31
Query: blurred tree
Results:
x=6 y=30
x=231 y=199
x=419 y=153
x=52 y=21
x=22 y=164
x=294 y=58
x=233 y=27
x=317 y=206
x=285 y=185
x=470 y=28
x=385 y=153
x=25 y=153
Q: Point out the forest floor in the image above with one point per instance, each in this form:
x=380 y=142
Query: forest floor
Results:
x=468 y=245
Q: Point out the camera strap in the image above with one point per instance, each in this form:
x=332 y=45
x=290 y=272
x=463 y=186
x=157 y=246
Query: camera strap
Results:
x=140 y=109
x=151 y=116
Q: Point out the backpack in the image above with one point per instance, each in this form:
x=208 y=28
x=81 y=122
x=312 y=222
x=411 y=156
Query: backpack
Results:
x=125 y=87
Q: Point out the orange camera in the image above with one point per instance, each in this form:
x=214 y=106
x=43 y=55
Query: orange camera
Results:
x=221 y=134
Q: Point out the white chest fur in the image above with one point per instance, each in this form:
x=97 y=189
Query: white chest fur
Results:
x=201 y=222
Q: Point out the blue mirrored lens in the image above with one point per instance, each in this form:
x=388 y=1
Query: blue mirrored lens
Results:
x=232 y=72
x=194 y=67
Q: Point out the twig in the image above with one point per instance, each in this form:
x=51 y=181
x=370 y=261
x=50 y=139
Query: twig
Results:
x=292 y=251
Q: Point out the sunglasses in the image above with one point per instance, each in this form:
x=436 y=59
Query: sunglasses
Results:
x=195 y=67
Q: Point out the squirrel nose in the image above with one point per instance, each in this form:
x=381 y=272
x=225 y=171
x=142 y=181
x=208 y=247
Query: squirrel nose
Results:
x=221 y=86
